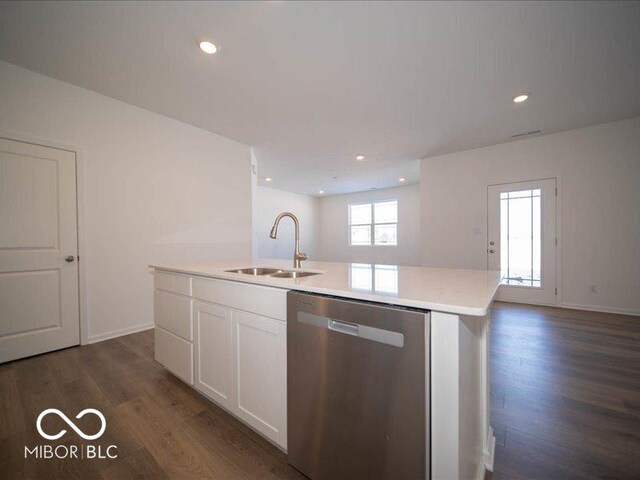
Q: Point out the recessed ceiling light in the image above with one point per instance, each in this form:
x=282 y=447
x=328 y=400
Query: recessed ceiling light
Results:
x=359 y=157
x=267 y=179
x=208 y=47
x=320 y=192
x=520 y=98
x=402 y=179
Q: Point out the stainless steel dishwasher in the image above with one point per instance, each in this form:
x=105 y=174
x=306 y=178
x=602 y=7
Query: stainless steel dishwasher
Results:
x=357 y=389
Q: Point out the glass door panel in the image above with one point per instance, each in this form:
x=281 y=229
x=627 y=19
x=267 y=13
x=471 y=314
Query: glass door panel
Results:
x=521 y=228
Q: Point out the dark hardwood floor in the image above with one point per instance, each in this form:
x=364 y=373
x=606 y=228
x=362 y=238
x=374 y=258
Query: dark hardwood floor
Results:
x=163 y=429
x=565 y=393
x=565 y=405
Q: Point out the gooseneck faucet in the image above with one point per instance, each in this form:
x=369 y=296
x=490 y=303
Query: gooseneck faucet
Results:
x=297 y=255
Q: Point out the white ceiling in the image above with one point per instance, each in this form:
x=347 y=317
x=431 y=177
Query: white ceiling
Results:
x=312 y=84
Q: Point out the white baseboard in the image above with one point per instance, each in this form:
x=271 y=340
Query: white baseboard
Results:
x=597 y=308
x=120 y=333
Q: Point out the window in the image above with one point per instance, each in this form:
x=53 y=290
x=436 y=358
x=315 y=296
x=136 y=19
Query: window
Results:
x=520 y=233
x=374 y=223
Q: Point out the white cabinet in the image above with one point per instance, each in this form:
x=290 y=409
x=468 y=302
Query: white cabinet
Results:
x=174 y=325
x=267 y=301
x=173 y=314
x=175 y=354
x=228 y=340
x=173 y=282
x=260 y=374
x=213 y=353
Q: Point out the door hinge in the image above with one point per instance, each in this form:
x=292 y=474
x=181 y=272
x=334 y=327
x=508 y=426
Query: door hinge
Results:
x=556 y=191
x=556 y=290
x=556 y=241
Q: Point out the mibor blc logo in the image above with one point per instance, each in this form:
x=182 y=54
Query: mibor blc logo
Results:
x=71 y=424
x=80 y=452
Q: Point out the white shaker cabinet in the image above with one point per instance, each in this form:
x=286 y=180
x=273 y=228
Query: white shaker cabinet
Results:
x=213 y=352
x=259 y=371
x=174 y=326
x=228 y=340
x=175 y=354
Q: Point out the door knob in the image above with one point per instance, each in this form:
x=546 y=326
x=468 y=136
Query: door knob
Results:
x=492 y=251
x=492 y=242
x=70 y=258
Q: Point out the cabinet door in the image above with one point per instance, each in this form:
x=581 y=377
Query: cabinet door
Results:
x=213 y=352
x=260 y=372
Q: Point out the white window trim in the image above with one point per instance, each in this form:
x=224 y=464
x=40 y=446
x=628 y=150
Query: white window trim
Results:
x=373 y=223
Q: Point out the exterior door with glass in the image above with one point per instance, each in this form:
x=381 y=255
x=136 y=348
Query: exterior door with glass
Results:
x=522 y=240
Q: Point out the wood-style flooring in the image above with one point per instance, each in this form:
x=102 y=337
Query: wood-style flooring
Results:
x=565 y=393
x=565 y=405
x=163 y=429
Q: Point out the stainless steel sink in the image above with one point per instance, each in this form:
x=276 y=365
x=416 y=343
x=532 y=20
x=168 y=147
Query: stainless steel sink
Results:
x=272 y=272
x=292 y=274
x=256 y=271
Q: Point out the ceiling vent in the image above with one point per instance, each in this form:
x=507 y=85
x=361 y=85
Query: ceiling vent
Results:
x=525 y=134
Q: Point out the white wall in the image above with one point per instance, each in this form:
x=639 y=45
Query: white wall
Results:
x=155 y=190
x=334 y=228
x=269 y=203
x=598 y=170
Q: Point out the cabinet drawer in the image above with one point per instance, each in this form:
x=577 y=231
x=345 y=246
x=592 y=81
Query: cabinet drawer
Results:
x=173 y=313
x=266 y=301
x=175 y=354
x=173 y=282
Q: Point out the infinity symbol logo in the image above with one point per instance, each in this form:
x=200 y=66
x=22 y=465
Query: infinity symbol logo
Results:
x=71 y=424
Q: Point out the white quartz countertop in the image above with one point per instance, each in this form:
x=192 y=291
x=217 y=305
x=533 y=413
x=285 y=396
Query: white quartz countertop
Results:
x=465 y=292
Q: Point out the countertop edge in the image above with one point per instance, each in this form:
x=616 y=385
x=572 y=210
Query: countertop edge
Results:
x=479 y=311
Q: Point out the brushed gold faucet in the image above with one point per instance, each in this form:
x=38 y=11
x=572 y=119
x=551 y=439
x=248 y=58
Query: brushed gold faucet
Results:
x=297 y=255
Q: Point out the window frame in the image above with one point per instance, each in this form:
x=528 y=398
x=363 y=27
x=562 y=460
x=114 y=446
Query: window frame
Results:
x=507 y=279
x=372 y=224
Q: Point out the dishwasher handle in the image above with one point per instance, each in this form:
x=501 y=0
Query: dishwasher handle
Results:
x=365 y=332
x=343 y=327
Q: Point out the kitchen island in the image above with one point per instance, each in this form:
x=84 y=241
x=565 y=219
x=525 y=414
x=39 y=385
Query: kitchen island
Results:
x=224 y=332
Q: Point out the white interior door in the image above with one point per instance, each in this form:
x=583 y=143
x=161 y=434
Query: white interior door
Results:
x=522 y=240
x=38 y=250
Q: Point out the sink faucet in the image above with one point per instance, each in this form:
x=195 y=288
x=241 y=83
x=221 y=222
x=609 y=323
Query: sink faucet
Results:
x=297 y=255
